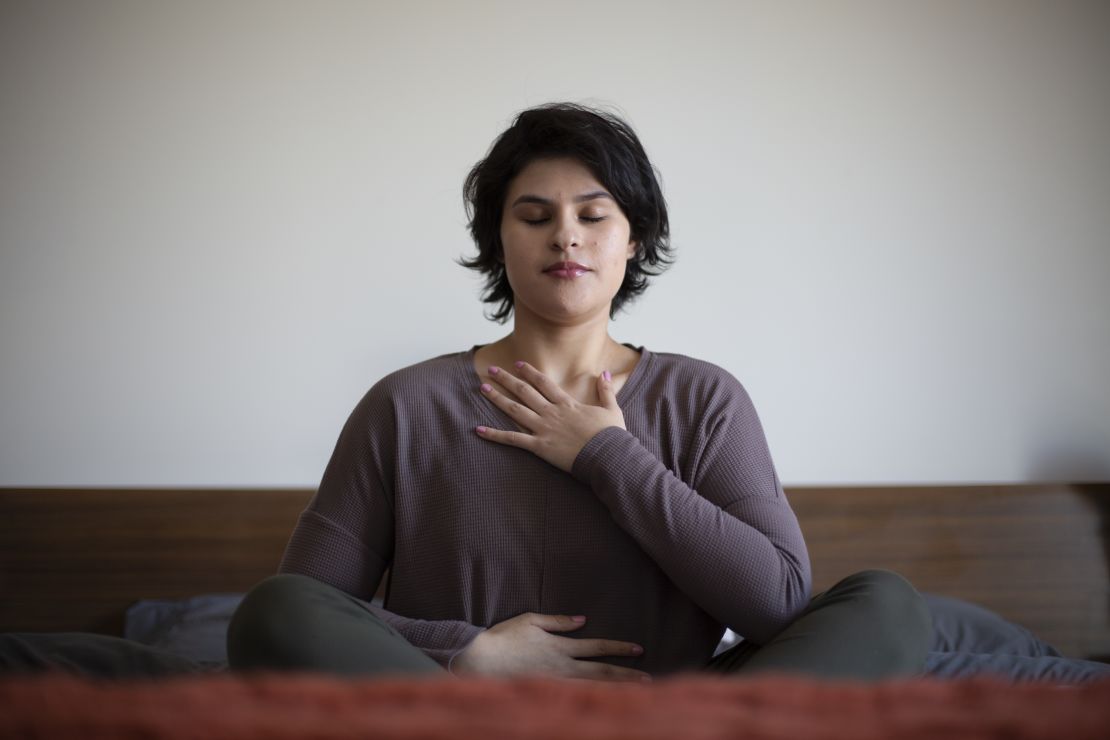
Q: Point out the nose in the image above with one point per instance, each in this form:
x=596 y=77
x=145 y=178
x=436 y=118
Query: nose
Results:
x=566 y=233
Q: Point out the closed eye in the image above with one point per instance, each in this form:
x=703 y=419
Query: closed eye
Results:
x=538 y=221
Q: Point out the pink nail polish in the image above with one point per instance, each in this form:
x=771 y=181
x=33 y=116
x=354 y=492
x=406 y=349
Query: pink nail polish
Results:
x=607 y=376
x=493 y=370
x=519 y=364
x=481 y=430
x=487 y=387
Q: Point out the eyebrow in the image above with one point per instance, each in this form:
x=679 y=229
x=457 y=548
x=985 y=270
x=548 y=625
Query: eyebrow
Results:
x=547 y=201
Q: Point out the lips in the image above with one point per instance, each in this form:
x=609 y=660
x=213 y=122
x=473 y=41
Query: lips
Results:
x=570 y=274
x=568 y=267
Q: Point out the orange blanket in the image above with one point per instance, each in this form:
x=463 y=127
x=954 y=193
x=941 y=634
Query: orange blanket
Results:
x=689 y=707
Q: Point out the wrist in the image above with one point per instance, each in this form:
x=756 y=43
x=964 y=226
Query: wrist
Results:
x=467 y=659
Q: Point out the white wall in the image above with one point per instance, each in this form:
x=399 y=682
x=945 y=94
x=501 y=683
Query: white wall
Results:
x=221 y=222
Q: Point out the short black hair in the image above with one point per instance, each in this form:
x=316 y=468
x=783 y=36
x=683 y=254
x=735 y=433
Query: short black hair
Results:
x=605 y=145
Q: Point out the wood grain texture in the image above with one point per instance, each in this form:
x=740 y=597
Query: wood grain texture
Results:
x=76 y=559
x=1035 y=554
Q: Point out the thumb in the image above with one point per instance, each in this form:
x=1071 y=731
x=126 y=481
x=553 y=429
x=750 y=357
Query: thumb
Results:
x=556 y=623
x=605 y=390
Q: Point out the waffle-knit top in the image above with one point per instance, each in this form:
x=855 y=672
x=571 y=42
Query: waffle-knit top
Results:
x=663 y=534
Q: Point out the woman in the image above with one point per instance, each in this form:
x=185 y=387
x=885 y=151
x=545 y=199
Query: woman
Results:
x=556 y=502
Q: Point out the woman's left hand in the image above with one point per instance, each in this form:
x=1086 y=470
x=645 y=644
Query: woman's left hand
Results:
x=560 y=425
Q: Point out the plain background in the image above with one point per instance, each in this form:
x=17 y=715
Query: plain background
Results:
x=221 y=222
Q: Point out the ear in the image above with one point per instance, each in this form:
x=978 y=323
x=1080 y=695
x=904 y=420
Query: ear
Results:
x=632 y=247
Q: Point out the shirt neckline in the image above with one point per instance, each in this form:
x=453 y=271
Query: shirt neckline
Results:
x=465 y=362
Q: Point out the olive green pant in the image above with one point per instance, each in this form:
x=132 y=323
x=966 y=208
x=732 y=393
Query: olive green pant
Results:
x=869 y=626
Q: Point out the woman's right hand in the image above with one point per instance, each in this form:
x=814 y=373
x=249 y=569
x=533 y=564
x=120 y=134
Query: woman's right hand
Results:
x=524 y=645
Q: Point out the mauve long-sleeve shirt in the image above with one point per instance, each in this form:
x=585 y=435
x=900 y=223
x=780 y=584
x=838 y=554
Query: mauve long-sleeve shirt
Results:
x=661 y=535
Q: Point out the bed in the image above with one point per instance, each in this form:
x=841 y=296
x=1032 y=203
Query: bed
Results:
x=104 y=560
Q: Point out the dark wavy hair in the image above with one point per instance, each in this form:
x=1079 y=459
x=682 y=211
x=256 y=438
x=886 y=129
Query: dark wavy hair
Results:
x=607 y=147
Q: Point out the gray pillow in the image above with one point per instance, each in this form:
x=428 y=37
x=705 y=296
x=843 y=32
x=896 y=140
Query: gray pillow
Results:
x=193 y=628
x=960 y=626
x=969 y=640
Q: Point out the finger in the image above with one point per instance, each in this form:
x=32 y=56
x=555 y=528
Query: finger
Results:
x=591 y=648
x=556 y=622
x=548 y=387
x=523 y=390
x=513 y=439
x=605 y=672
x=520 y=413
x=605 y=392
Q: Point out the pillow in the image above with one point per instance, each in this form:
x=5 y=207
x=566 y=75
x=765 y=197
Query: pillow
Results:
x=193 y=628
x=969 y=640
x=960 y=626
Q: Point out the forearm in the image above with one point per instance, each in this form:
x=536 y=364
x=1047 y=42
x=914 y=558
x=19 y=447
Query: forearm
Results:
x=746 y=564
x=442 y=640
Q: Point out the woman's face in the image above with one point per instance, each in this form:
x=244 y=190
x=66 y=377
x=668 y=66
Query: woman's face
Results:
x=555 y=212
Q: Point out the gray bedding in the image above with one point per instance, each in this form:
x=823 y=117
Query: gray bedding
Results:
x=188 y=636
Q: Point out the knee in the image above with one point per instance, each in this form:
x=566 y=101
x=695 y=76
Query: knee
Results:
x=270 y=622
x=888 y=597
x=898 y=615
x=275 y=599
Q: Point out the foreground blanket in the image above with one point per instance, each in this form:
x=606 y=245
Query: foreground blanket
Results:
x=695 y=707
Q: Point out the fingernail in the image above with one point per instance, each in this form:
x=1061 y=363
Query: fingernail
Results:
x=579 y=619
x=487 y=387
x=481 y=430
x=645 y=679
x=493 y=370
x=519 y=364
x=637 y=650
x=607 y=376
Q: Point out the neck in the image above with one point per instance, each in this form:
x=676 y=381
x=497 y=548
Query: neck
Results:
x=566 y=354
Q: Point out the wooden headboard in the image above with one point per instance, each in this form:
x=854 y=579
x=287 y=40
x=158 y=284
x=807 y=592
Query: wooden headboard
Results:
x=1037 y=554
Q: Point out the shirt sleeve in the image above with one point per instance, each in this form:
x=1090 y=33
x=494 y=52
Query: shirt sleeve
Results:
x=345 y=535
x=728 y=539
